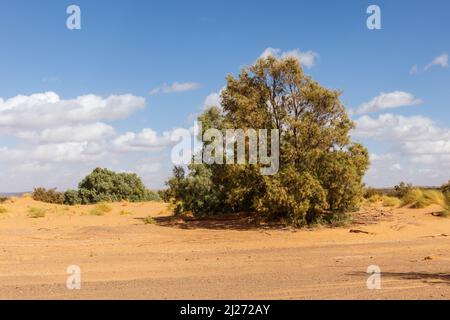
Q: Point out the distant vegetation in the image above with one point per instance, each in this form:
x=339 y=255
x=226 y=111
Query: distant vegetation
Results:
x=3 y=199
x=405 y=194
x=102 y=185
x=48 y=195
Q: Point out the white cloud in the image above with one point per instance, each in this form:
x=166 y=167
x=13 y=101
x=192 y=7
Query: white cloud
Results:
x=146 y=140
x=397 y=128
x=175 y=87
x=213 y=100
x=441 y=60
x=390 y=100
x=77 y=133
x=307 y=58
x=44 y=110
x=418 y=150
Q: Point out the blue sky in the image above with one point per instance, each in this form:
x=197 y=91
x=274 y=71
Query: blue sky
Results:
x=133 y=47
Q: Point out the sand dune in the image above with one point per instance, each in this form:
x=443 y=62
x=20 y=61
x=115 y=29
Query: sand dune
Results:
x=122 y=257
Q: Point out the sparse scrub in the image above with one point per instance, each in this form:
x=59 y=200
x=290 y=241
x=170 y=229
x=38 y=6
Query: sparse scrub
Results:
x=100 y=209
x=375 y=198
x=125 y=213
x=3 y=210
x=36 y=213
x=370 y=192
x=149 y=220
x=3 y=199
x=391 y=201
x=411 y=197
x=48 y=196
x=418 y=198
x=446 y=188
x=401 y=190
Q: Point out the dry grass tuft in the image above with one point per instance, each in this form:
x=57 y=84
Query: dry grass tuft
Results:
x=36 y=213
x=100 y=209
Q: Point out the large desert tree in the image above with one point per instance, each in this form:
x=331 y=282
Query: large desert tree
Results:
x=321 y=170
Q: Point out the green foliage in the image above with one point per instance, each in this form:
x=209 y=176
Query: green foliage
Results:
x=103 y=185
x=71 y=197
x=49 y=196
x=36 y=213
x=320 y=174
x=401 y=190
x=446 y=188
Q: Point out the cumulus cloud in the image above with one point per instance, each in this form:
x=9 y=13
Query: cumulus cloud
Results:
x=441 y=61
x=44 y=110
x=175 y=87
x=390 y=100
x=146 y=140
x=418 y=149
x=77 y=133
x=306 y=58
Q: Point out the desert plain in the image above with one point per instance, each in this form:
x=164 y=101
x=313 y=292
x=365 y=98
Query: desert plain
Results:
x=123 y=254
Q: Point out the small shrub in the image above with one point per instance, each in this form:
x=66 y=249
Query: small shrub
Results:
x=36 y=213
x=100 y=209
x=3 y=199
x=411 y=197
x=149 y=220
x=48 y=196
x=391 y=202
x=3 y=210
x=446 y=188
x=375 y=198
x=401 y=190
x=370 y=192
x=418 y=198
x=125 y=213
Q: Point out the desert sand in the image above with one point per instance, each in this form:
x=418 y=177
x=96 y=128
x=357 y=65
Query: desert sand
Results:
x=121 y=257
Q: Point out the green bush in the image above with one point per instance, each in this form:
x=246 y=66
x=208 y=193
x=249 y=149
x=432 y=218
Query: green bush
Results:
x=71 y=197
x=103 y=185
x=321 y=170
x=401 y=190
x=446 y=188
x=49 y=196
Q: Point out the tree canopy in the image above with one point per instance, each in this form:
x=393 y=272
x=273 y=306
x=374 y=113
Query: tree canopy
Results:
x=320 y=172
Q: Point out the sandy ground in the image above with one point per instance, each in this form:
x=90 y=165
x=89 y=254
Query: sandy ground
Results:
x=121 y=257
